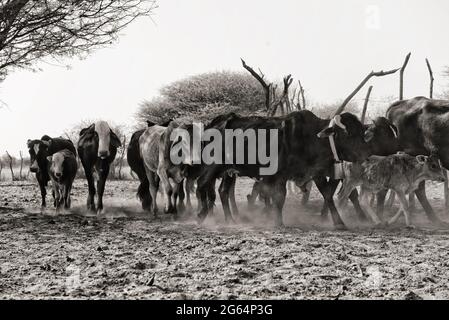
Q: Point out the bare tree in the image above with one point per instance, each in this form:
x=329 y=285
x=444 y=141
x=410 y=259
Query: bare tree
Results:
x=365 y=106
x=361 y=85
x=301 y=92
x=401 y=76
x=21 y=165
x=11 y=160
x=32 y=30
x=121 y=158
x=272 y=103
x=432 y=79
x=1 y=169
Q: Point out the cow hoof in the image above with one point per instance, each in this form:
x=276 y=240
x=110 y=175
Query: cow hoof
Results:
x=380 y=225
x=441 y=224
x=340 y=227
x=230 y=221
x=200 y=218
x=411 y=227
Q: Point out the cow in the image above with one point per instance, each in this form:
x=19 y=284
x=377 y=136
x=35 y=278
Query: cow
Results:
x=400 y=172
x=154 y=146
x=39 y=150
x=381 y=136
x=62 y=167
x=136 y=163
x=304 y=153
x=97 y=148
x=423 y=128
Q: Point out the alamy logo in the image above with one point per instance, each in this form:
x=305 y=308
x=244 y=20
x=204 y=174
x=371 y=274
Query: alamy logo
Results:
x=228 y=146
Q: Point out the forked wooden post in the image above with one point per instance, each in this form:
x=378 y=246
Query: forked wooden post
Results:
x=446 y=186
x=365 y=106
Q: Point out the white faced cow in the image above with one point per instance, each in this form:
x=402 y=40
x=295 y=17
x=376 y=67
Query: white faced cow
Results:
x=62 y=170
x=97 y=148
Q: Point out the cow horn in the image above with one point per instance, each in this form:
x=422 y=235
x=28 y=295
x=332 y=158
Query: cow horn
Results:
x=337 y=120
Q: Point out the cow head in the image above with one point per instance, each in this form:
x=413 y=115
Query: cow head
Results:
x=382 y=137
x=349 y=136
x=38 y=150
x=431 y=168
x=103 y=135
x=56 y=162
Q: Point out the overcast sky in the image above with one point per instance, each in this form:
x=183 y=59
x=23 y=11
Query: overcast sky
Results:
x=330 y=45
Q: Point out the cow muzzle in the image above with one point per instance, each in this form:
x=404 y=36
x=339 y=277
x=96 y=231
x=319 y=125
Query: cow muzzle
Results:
x=103 y=154
x=34 y=167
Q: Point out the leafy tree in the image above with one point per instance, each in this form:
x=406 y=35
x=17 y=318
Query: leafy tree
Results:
x=203 y=97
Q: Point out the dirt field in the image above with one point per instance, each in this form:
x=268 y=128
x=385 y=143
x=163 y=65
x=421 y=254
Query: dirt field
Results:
x=124 y=254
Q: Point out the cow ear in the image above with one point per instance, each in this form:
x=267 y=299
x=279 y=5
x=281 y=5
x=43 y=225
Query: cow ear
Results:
x=326 y=133
x=49 y=158
x=115 y=141
x=88 y=129
x=422 y=159
x=150 y=123
x=46 y=143
x=369 y=135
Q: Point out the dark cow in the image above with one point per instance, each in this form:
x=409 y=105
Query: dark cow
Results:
x=39 y=150
x=62 y=167
x=381 y=137
x=423 y=126
x=97 y=148
x=401 y=173
x=304 y=154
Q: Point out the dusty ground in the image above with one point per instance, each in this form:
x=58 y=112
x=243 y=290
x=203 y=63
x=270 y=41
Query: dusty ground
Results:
x=126 y=255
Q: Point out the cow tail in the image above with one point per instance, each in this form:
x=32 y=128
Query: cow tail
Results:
x=136 y=164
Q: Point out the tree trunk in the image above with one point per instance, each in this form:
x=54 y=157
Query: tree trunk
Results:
x=21 y=166
x=10 y=166
x=401 y=77
x=122 y=156
x=365 y=106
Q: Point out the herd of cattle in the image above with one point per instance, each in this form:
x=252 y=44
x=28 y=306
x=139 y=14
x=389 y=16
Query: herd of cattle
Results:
x=397 y=152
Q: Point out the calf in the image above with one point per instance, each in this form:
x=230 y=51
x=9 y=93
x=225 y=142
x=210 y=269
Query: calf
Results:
x=400 y=172
x=39 y=150
x=62 y=167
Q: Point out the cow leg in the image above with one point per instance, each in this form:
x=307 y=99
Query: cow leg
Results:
x=103 y=176
x=166 y=185
x=404 y=208
x=153 y=182
x=381 y=195
x=327 y=189
x=235 y=209
x=365 y=201
x=43 y=189
x=421 y=195
x=57 y=196
x=279 y=193
x=306 y=194
x=189 y=187
x=223 y=190
x=354 y=197
x=253 y=196
x=179 y=192
x=206 y=192
x=92 y=191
